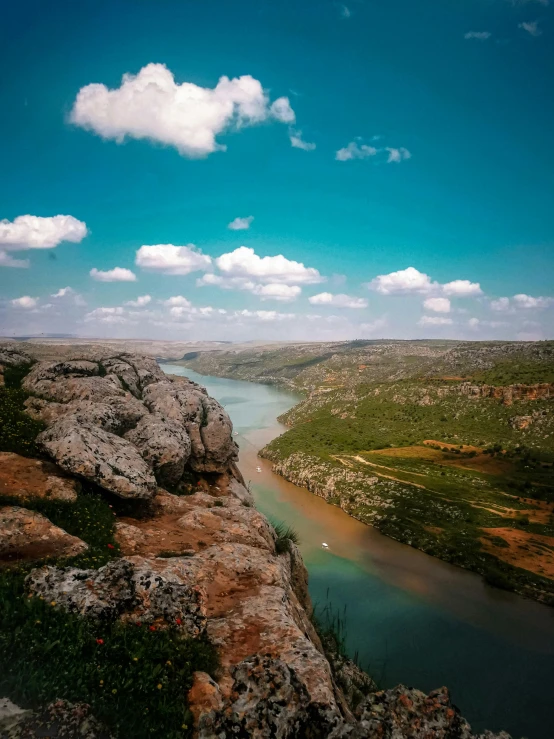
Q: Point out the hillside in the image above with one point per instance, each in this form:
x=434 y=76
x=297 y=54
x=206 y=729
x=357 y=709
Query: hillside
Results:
x=445 y=446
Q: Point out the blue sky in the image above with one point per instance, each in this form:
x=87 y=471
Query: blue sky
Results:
x=390 y=164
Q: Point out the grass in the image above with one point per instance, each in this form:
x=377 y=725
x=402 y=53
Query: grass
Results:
x=285 y=535
x=136 y=680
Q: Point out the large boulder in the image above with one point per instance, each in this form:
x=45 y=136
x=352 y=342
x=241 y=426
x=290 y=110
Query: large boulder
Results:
x=103 y=458
x=207 y=423
x=164 y=445
x=27 y=535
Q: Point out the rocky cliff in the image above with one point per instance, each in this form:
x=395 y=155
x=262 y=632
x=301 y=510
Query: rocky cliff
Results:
x=195 y=558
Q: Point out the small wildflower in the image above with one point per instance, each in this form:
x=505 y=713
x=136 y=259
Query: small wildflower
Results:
x=53 y=603
x=159 y=686
x=152 y=628
x=111 y=546
x=135 y=659
x=114 y=691
x=100 y=641
x=168 y=662
x=178 y=621
x=101 y=682
x=37 y=621
x=139 y=623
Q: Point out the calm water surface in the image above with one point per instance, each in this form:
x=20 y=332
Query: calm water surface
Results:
x=412 y=618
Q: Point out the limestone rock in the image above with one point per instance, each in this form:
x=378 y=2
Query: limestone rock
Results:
x=130 y=590
x=27 y=535
x=164 y=445
x=12 y=356
x=207 y=424
x=26 y=478
x=103 y=458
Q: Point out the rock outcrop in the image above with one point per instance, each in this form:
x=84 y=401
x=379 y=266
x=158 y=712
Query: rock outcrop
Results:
x=26 y=479
x=28 y=535
x=508 y=393
x=122 y=424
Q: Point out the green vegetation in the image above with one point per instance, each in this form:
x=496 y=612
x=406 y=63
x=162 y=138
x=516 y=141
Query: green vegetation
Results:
x=17 y=430
x=285 y=535
x=135 y=678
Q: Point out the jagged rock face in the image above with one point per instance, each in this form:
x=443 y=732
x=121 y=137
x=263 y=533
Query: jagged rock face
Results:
x=27 y=535
x=207 y=424
x=25 y=478
x=121 y=423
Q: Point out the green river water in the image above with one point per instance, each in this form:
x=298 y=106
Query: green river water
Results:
x=410 y=617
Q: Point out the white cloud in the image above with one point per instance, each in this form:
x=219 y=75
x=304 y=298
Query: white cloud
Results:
x=140 y=302
x=240 y=224
x=172 y=260
x=265 y=315
x=527 y=301
x=297 y=142
x=434 y=321
x=462 y=288
x=345 y=12
x=280 y=110
x=532 y=28
x=63 y=292
x=478 y=35
x=117 y=274
x=397 y=155
x=409 y=280
x=338 y=301
x=35 y=232
x=6 y=260
x=178 y=301
x=25 y=302
x=473 y=322
x=438 y=305
x=151 y=105
x=501 y=304
x=277 y=291
x=107 y=315
x=355 y=151
x=245 y=263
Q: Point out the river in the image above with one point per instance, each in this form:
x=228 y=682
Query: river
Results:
x=410 y=617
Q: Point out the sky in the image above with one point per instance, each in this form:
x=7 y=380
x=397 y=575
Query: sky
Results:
x=301 y=169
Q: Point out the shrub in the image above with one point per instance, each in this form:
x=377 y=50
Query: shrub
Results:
x=285 y=535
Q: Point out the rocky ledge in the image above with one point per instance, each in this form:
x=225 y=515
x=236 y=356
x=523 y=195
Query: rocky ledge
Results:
x=204 y=563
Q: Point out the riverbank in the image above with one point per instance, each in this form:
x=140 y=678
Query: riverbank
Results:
x=410 y=617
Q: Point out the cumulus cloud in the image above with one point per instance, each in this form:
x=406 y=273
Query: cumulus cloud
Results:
x=462 y=288
x=107 y=315
x=35 y=232
x=478 y=35
x=409 y=280
x=245 y=263
x=532 y=28
x=152 y=105
x=117 y=274
x=178 y=301
x=355 y=151
x=140 y=302
x=281 y=110
x=25 y=302
x=65 y=294
x=172 y=260
x=435 y=321
x=338 y=301
x=264 y=315
x=527 y=301
x=240 y=224
x=438 y=305
x=397 y=155
x=297 y=142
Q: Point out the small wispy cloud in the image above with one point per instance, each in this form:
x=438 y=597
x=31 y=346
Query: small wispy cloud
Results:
x=345 y=12
x=297 y=142
x=355 y=151
x=397 y=155
x=478 y=35
x=240 y=224
x=532 y=27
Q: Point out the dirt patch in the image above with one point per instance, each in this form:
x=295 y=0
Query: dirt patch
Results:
x=529 y=551
x=25 y=478
x=409 y=452
x=434 y=529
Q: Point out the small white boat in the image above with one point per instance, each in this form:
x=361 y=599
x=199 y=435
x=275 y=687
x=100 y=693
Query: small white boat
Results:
x=235 y=433
x=324 y=545
x=258 y=469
